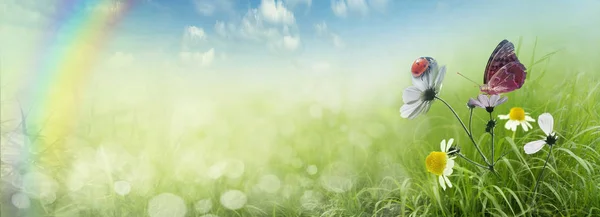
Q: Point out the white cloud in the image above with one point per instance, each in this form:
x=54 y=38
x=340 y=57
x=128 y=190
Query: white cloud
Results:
x=220 y=28
x=208 y=57
x=337 y=41
x=323 y=31
x=291 y=43
x=294 y=3
x=195 y=33
x=192 y=37
x=211 y=7
x=205 y=8
x=342 y=8
x=110 y=7
x=270 y=24
x=284 y=43
x=252 y=28
x=225 y=29
x=339 y=8
x=275 y=12
x=359 y=6
x=198 y=58
x=379 y=5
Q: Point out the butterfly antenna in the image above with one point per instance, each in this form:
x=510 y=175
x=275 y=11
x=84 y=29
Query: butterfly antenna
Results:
x=468 y=79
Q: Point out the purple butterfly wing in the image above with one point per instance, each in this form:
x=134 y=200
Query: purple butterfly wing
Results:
x=508 y=78
x=503 y=54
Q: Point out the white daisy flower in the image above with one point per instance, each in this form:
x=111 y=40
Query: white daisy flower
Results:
x=517 y=116
x=546 y=122
x=418 y=98
x=440 y=163
x=487 y=102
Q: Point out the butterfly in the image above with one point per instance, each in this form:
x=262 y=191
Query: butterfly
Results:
x=422 y=65
x=504 y=72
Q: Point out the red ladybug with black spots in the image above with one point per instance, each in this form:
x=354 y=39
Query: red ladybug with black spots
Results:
x=421 y=66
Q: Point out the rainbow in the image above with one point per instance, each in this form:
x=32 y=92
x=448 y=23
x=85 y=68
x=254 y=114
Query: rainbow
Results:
x=66 y=53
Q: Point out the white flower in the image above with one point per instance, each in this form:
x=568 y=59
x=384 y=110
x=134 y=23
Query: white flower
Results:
x=517 y=116
x=487 y=102
x=418 y=98
x=441 y=164
x=546 y=122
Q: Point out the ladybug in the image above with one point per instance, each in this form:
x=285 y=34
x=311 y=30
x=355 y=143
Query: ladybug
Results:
x=419 y=66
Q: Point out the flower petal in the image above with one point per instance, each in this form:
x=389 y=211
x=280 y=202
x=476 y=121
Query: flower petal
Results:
x=485 y=101
x=440 y=78
x=503 y=117
x=449 y=165
x=529 y=118
x=442 y=182
x=546 y=122
x=502 y=99
x=407 y=109
x=426 y=107
x=448 y=171
x=434 y=70
x=510 y=125
x=421 y=82
x=474 y=102
x=411 y=95
x=443 y=145
x=514 y=126
x=533 y=147
x=448 y=181
x=528 y=125
x=493 y=100
x=449 y=144
x=423 y=106
x=524 y=125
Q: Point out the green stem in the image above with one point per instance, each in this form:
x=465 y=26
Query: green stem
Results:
x=493 y=149
x=465 y=128
x=501 y=156
x=540 y=176
x=470 y=120
x=513 y=136
x=472 y=162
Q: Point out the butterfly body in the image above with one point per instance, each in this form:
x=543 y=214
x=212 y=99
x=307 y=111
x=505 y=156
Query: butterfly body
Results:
x=421 y=66
x=504 y=72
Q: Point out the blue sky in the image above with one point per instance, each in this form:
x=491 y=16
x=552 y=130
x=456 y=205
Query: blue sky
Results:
x=284 y=31
x=180 y=45
x=222 y=23
x=257 y=36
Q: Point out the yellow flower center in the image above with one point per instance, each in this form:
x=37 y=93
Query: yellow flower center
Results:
x=436 y=162
x=517 y=114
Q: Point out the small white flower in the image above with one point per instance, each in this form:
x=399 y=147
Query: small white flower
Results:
x=546 y=122
x=441 y=164
x=517 y=116
x=487 y=102
x=418 y=98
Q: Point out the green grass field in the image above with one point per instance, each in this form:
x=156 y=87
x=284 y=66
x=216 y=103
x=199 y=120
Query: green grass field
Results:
x=320 y=157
